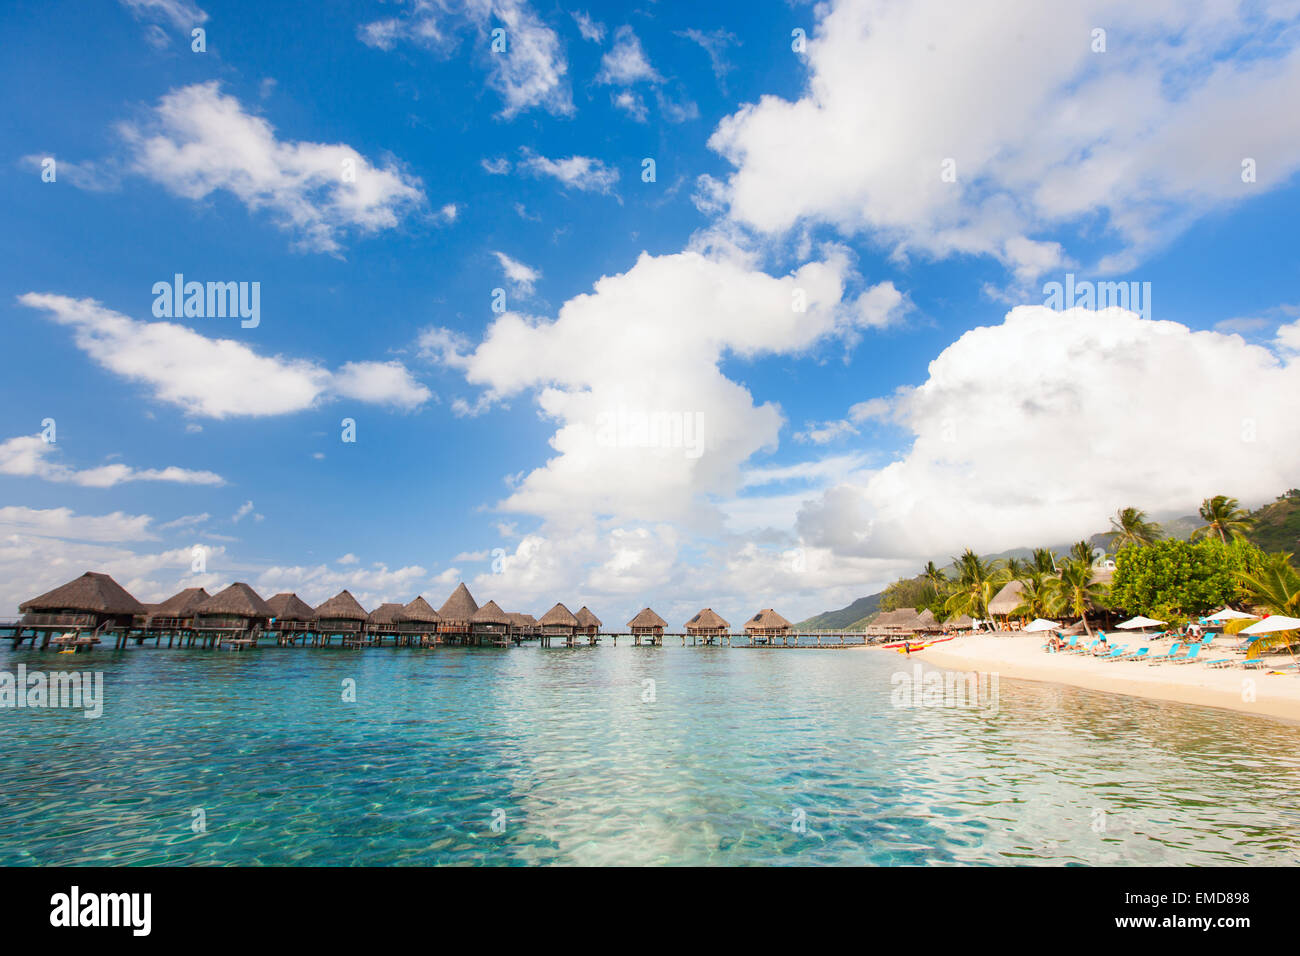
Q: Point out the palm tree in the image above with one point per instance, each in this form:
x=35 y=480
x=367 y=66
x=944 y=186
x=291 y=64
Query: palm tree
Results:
x=1222 y=514
x=1276 y=588
x=978 y=582
x=1082 y=551
x=1017 y=568
x=1044 y=560
x=1036 y=597
x=935 y=576
x=1130 y=526
x=1075 y=590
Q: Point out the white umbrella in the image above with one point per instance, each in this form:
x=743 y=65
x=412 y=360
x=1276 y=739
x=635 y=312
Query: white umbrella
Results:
x=1271 y=625
x=1228 y=614
x=1038 y=624
x=1139 y=621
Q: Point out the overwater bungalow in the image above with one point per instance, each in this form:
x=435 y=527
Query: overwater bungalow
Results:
x=177 y=612
x=708 y=626
x=1002 y=607
x=522 y=626
x=457 y=615
x=418 y=623
x=382 y=622
x=291 y=617
x=490 y=625
x=232 y=617
x=341 y=616
x=80 y=612
x=766 y=626
x=588 y=624
x=647 y=626
x=558 y=622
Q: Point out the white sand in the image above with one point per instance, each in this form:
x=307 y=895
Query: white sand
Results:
x=1020 y=656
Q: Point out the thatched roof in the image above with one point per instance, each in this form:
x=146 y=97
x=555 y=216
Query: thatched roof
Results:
x=94 y=592
x=341 y=607
x=384 y=614
x=287 y=606
x=238 y=600
x=521 y=620
x=460 y=607
x=707 y=618
x=585 y=618
x=181 y=604
x=897 y=619
x=1008 y=599
x=647 y=618
x=491 y=613
x=766 y=619
x=559 y=615
x=963 y=623
x=926 y=621
x=419 y=612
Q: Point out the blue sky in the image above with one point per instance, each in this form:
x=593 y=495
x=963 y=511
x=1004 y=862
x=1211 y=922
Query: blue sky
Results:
x=834 y=455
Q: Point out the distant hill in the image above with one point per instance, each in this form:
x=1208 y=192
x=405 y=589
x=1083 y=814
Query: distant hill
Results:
x=845 y=617
x=1277 y=526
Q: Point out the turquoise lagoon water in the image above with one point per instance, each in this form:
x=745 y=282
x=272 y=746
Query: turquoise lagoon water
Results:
x=740 y=757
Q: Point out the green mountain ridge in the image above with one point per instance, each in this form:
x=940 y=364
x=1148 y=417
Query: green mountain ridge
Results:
x=1276 y=528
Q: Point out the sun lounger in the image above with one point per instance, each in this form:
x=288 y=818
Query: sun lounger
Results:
x=1137 y=655
x=1173 y=653
x=1086 y=648
x=1191 y=655
x=1114 y=654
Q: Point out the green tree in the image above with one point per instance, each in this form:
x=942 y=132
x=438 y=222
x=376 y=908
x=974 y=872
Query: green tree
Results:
x=1275 y=587
x=1082 y=551
x=1223 y=517
x=978 y=582
x=1130 y=526
x=1190 y=578
x=1044 y=561
x=1076 y=590
x=1037 y=597
x=935 y=576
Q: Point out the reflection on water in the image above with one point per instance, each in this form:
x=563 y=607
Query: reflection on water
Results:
x=623 y=755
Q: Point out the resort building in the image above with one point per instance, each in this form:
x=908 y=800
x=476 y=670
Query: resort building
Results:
x=588 y=624
x=522 y=626
x=926 y=622
x=765 y=626
x=343 y=616
x=418 y=623
x=84 y=608
x=457 y=614
x=708 y=626
x=234 y=616
x=490 y=625
x=647 y=626
x=558 y=622
x=962 y=623
x=291 y=617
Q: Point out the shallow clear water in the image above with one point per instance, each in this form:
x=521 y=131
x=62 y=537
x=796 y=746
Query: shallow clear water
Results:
x=742 y=757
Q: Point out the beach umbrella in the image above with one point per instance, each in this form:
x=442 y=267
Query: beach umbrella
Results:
x=1228 y=614
x=1139 y=621
x=1273 y=624
x=1038 y=624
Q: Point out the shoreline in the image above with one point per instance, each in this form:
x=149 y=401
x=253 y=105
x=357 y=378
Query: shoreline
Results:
x=1021 y=657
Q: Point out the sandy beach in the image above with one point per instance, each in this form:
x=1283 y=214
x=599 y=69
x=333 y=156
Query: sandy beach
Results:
x=1020 y=656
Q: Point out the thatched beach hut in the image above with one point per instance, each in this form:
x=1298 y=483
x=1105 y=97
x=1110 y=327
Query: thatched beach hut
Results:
x=708 y=626
x=588 y=624
x=418 y=621
x=927 y=623
x=765 y=626
x=341 y=615
x=92 y=603
x=457 y=614
x=1005 y=602
x=962 y=623
x=558 y=622
x=490 y=625
x=647 y=625
x=522 y=626
x=234 y=615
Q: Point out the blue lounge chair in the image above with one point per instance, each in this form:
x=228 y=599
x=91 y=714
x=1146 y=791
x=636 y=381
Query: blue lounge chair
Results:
x=1173 y=652
x=1137 y=655
x=1114 y=654
x=1191 y=655
x=1086 y=648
